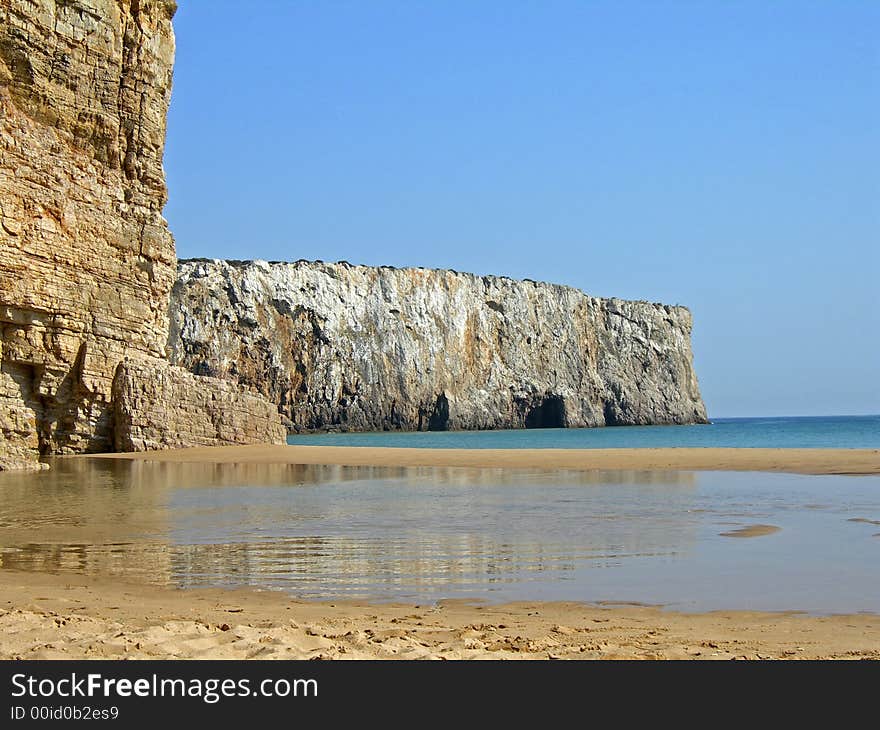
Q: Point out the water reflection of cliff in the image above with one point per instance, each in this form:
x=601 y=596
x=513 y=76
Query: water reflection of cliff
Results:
x=333 y=531
x=73 y=473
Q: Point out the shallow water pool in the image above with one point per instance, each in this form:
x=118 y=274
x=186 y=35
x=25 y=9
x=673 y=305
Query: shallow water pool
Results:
x=423 y=534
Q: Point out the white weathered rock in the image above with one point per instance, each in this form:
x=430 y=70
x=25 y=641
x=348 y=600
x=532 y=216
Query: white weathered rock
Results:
x=361 y=348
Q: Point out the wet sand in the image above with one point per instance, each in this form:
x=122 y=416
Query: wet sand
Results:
x=752 y=531
x=44 y=616
x=801 y=461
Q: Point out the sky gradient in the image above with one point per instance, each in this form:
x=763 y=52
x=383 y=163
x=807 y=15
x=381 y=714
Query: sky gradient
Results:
x=720 y=155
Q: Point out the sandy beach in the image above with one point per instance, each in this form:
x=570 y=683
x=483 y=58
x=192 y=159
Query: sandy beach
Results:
x=801 y=461
x=48 y=615
x=562 y=229
x=45 y=616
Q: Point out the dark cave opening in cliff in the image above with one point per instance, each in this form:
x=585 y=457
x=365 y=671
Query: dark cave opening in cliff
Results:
x=439 y=420
x=549 y=414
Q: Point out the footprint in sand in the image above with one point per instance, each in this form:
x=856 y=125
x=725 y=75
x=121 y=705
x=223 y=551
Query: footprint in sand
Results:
x=752 y=531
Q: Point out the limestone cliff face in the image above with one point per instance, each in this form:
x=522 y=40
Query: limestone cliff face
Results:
x=360 y=348
x=86 y=258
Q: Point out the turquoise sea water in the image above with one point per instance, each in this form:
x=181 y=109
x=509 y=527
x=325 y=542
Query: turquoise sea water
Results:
x=820 y=432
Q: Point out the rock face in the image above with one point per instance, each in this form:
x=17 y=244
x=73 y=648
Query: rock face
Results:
x=86 y=258
x=87 y=265
x=157 y=406
x=360 y=348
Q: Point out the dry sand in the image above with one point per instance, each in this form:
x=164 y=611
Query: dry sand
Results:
x=803 y=461
x=46 y=616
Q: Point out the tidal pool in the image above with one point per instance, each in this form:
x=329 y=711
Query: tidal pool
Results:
x=807 y=543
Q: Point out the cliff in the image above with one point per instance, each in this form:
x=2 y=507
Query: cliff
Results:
x=87 y=265
x=86 y=258
x=360 y=348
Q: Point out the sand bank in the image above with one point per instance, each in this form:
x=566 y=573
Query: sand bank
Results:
x=45 y=616
x=752 y=531
x=803 y=461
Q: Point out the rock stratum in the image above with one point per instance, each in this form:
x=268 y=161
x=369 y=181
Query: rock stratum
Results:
x=86 y=258
x=337 y=346
x=157 y=406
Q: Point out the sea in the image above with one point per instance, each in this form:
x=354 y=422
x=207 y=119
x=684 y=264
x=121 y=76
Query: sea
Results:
x=684 y=540
x=808 y=432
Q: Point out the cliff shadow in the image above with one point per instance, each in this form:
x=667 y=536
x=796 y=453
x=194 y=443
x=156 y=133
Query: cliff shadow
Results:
x=548 y=413
x=439 y=420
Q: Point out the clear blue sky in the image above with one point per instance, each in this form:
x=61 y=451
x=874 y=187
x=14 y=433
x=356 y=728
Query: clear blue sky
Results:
x=721 y=155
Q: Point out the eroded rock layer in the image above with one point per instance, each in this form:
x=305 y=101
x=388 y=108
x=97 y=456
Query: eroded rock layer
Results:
x=157 y=406
x=361 y=348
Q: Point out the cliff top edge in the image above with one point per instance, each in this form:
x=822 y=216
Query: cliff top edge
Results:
x=244 y=263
